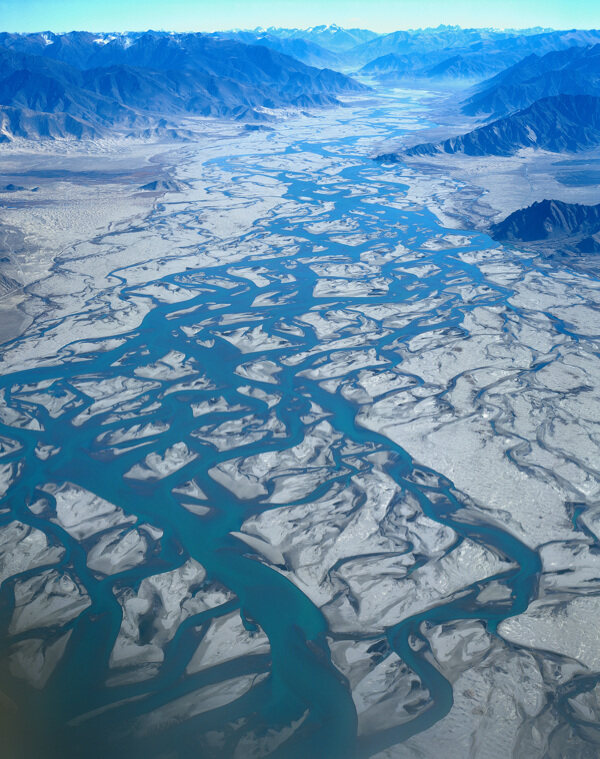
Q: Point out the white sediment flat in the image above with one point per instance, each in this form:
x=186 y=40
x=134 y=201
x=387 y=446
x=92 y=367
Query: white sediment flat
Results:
x=48 y=598
x=254 y=339
x=291 y=473
x=176 y=595
x=83 y=514
x=227 y=639
x=566 y=627
x=199 y=701
x=117 y=551
x=23 y=547
x=241 y=431
x=34 y=659
x=157 y=466
x=261 y=371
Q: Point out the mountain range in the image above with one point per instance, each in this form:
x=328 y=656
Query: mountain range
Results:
x=79 y=85
x=329 y=36
x=82 y=84
x=320 y=46
x=443 y=37
x=559 y=123
x=574 y=71
x=464 y=54
x=437 y=65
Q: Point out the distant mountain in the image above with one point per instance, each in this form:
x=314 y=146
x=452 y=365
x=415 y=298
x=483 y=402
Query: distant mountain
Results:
x=331 y=36
x=420 y=40
x=252 y=66
x=135 y=81
x=302 y=49
x=462 y=54
x=436 y=65
x=394 y=67
x=573 y=71
x=521 y=45
x=454 y=39
x=73 y=48
x=561 y=123
x=549 y=220
x=465 y=67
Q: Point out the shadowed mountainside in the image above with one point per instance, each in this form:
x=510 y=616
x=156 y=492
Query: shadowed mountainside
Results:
x=558 y=124
x=549 y=220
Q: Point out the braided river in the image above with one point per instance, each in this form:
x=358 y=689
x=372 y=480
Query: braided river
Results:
x=311 y=475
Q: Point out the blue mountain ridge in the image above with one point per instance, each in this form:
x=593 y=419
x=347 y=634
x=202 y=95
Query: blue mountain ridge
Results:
x=129 y=82
x=456 y=54
x=574 y=71
x=559 y=123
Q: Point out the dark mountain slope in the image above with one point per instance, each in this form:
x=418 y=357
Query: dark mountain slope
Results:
x=549 y=219
x=561 y=123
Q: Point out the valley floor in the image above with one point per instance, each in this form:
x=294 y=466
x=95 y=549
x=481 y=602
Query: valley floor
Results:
x=292 y=462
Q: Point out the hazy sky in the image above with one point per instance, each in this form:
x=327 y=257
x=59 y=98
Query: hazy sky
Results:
x=210 y=15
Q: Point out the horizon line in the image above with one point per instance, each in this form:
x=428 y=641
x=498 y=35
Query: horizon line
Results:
x=258 y=28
